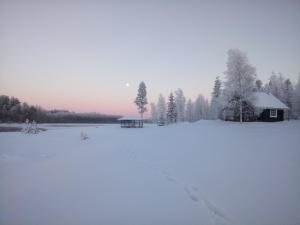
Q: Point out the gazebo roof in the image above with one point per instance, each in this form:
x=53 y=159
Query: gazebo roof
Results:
x=131 y=118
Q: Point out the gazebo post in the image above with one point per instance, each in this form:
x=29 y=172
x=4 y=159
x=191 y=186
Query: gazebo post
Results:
x=131 y=122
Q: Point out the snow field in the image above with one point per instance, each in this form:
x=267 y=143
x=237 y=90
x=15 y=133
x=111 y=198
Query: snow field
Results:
x=209 y=172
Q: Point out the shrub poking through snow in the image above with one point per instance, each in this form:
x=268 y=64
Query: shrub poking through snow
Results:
x=34 y=127
x=25 y=127
x=83 y=136
x=30 y=127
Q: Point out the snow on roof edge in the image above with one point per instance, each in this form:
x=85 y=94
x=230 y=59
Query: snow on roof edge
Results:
x=264 y=100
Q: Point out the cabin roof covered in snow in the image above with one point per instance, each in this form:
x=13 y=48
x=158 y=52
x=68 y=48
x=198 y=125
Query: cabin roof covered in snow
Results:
x=131 y=118
x=267 y=101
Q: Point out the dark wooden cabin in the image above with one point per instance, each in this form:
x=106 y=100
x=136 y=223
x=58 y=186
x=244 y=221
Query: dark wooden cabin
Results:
x=131 y=122
x=268 y=108
x=260 y=107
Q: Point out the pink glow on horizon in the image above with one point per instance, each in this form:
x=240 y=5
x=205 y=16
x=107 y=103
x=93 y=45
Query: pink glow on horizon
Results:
x=108 y=107
x=104 y=102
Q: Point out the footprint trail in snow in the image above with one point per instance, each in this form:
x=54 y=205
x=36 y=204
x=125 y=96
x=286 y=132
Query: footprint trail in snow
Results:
x=216 y=215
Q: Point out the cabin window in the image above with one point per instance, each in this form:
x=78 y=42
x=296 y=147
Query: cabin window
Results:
x=273 y=113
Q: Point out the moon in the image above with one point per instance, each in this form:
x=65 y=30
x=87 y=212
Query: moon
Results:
x=127 y=84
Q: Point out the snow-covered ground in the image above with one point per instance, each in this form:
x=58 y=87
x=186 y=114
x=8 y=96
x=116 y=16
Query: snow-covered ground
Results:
x=209 y=172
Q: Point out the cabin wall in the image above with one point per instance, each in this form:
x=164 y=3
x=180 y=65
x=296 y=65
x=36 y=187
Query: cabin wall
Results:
x=265 y=116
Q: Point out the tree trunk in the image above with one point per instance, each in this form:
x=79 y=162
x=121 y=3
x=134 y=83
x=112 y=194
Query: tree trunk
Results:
x=241 y=112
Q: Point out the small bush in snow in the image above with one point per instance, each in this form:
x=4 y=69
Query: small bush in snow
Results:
x=83 y=136
x=30 y=128
x=25 y=127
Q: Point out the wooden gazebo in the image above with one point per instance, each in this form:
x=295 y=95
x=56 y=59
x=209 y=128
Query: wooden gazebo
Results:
x=131 y=122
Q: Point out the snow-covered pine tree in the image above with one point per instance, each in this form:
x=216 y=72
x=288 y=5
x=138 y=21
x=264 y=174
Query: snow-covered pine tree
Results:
x=189 y=111
x=141 y=99
x=153 y=112
x=239 y=84
x=180 y=104
x=217 y=88
x=161 y=110
x=216 y=103
x=172 y=112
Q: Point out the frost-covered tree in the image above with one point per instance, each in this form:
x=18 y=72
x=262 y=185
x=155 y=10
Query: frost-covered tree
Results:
x=239 y=84
x=161 y=110
x=215 y=109
x=206 y=109
x=34 y=128
x=284 y=90
x=189 y=111
x=141 y=99
x=288 y=93
x=26 y=127
x=216 y=102
x=258 y=85
x=83 y=136
x=276 y=86
x=172 y=111
x=201 y=108
x=153 y=112
x=30 y=128
x=180 y=104
x=297 y=99
x=290 y=98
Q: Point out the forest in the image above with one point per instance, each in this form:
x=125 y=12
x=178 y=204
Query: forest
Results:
x=12 y=110
x=234 y=91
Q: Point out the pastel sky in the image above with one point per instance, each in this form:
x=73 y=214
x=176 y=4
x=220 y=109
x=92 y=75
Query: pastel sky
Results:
x=78 y=55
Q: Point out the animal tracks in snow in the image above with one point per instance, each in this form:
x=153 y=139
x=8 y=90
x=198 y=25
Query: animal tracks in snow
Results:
x=169 y=177
x=218 y=217
x=192 y=192
x=191 y=195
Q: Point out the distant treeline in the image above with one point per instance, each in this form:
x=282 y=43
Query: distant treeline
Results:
x=12 y=110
